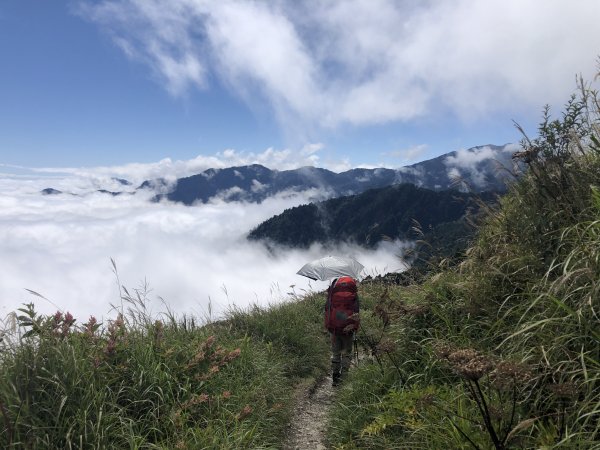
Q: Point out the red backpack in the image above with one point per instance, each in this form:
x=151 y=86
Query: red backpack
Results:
x=342 y=304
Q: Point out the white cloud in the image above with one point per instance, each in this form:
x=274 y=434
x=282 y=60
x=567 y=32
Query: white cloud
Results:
x=475 y=162
x=469 y=158
x=417 y=171
x=60 y=246
x=257 y=186
x=454 y=173
x=322 y=64
x=161 y=38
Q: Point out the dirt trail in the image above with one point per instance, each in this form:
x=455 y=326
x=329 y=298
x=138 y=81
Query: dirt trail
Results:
x=308 y=426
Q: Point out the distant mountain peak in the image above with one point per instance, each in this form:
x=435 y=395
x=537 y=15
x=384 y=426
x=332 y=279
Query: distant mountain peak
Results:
x=476 y=167
x=50 y=191
x=122 y=181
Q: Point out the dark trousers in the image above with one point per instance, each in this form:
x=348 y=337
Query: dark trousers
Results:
x=341 y=353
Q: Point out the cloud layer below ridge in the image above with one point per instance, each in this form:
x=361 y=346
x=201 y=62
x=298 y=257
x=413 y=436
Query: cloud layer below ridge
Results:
x=61 y=246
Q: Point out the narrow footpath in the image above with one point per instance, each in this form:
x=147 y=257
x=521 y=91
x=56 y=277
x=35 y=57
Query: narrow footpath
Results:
x=308 y=425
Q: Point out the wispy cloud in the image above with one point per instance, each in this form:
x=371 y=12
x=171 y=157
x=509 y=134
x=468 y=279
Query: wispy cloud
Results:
x=361 y=62
x=478 y=163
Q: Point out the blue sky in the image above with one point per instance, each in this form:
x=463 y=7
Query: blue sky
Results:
x=359 y=82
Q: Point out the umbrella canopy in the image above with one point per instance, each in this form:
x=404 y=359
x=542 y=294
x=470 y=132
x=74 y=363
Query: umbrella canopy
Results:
x=331 y=267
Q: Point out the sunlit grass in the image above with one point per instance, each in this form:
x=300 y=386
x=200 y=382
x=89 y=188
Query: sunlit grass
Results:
x=502 y=350
x=137 y=382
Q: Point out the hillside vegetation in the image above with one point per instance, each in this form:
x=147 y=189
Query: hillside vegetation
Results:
x=402 y=211
x=500 y=350
x=136 y=382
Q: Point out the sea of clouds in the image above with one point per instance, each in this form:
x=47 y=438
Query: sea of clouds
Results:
x=194 y=259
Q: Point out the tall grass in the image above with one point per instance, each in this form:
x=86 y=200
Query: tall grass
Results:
x=136 y=382
x=501 y=351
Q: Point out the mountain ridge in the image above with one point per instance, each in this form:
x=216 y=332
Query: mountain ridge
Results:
x=477 y=167
x=397 y=212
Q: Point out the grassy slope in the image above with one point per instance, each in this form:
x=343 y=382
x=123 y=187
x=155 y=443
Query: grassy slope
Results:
x=139 y=383
x=503 y=350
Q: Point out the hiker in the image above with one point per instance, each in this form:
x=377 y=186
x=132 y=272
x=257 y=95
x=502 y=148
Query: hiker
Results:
x=342 y=322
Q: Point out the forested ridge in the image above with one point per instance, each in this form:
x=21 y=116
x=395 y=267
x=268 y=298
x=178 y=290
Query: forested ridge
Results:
x=443 y=219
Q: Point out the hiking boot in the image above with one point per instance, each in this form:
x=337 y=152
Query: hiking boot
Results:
x=336 y=379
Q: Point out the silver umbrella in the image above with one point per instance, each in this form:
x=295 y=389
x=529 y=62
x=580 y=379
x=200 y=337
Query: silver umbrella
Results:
x=331 y=267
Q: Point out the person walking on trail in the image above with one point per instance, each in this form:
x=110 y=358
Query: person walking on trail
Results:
x=342 y=322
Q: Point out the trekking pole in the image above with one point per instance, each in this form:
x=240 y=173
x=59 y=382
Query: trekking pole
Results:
x=355 y=341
